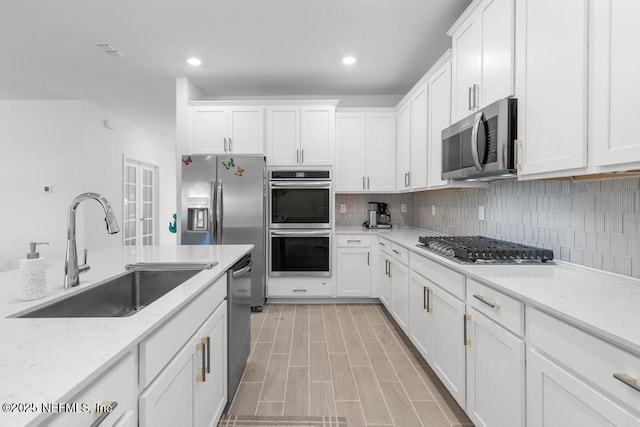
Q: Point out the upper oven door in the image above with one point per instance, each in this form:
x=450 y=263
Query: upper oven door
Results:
x=300 y=204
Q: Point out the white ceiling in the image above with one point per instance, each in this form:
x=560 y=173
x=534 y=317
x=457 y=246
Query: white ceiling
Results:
x=248 y=47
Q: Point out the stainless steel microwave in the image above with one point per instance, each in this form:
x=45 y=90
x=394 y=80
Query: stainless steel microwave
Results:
x=482 y=146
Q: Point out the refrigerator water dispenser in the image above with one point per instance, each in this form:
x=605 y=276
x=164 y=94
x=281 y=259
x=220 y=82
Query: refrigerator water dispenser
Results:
x=198 y=214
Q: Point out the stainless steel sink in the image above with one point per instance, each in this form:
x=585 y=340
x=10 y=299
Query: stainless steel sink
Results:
x=122 y=296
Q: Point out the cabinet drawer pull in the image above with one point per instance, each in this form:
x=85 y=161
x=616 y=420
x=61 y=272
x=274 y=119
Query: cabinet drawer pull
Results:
x=299 y=290
x=382 y=244
x=354 y=241
x=480 y=298
x=395 y=252
x=628 y=380
x=104 y=412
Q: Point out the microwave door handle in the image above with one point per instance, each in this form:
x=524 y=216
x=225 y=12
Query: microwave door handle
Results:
x=474 y=141
x=219 y=212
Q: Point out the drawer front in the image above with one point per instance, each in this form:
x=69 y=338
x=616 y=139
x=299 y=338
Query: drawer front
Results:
x=384 y=245
x=400 y=253
x=353 y=241
x=449 y=280
x=294 y=287
x=118 y=384
x=591 y=358
x=163 y=344
x=505 y=310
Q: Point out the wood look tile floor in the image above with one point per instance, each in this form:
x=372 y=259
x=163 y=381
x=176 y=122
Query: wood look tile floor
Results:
x=345 y=360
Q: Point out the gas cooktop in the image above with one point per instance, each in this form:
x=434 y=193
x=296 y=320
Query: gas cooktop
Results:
x=484 y=250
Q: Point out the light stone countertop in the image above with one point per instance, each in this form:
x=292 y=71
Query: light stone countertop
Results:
x=51 y=360
x=605 y=304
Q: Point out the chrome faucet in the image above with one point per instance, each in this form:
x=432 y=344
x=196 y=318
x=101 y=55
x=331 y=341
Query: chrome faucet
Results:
x=71 y=268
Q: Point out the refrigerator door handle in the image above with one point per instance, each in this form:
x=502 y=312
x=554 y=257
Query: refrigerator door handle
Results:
x=212 y=204
x=219 y=212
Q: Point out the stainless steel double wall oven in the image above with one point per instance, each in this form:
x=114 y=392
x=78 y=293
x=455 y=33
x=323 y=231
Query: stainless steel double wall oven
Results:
x=300 y=212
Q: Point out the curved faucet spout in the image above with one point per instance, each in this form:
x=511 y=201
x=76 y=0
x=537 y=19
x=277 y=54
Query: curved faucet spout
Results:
x=71 y=268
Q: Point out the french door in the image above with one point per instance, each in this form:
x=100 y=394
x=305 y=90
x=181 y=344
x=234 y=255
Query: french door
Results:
x=139 y=204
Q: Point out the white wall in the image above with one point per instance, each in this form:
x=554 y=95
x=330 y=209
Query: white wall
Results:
x=64 y=144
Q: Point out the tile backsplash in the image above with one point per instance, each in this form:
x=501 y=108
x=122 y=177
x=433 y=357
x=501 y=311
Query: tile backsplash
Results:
x=358 y=212
x=592 y=223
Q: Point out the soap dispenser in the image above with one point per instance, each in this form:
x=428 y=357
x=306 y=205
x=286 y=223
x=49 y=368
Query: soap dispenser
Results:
x=33 y=274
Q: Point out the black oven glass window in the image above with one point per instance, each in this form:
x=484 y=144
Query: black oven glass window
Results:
x=291 y=254
x=300 y=206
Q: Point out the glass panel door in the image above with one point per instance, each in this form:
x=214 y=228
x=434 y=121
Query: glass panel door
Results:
x=139 y=203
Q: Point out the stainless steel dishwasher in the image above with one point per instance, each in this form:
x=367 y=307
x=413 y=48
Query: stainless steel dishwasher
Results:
x=239 y=322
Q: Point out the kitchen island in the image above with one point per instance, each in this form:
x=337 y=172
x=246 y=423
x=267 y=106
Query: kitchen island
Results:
x=50 y=360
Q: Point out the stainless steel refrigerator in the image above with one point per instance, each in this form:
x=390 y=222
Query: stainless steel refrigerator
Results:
x=222 y=201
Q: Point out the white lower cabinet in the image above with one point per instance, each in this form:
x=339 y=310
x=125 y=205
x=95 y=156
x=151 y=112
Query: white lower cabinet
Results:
x=118 y=385
x=191 y=389
x=353 y=258
x=557 y=398
x=382 y=279
x=399 y=274
x=449 y=350
x=421 y=324
x=495 y=374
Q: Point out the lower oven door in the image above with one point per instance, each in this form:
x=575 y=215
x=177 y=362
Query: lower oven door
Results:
x=300 y=253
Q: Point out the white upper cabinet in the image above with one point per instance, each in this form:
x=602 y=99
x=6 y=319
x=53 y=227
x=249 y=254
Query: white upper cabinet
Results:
x=439 y=118
x=365 y=151
x=551 y=79
x=220 y=129
x=614 y=83
x=467 y=47
x=419 y=137
x=283 y=135
x=483 y=52
x=351 y=146
x=404 y=147
x=300 y=135
x=381 y=151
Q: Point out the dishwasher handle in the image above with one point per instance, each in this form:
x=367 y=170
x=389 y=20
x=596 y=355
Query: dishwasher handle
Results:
x=244 y=270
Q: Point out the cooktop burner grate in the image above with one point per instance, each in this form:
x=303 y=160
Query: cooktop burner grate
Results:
x=484 y=249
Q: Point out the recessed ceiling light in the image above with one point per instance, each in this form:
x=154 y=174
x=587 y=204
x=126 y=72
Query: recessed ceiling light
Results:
x=349 y=60
x=194 y=61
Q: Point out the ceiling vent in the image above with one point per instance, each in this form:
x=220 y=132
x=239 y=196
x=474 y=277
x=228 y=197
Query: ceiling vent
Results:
x=112 y=50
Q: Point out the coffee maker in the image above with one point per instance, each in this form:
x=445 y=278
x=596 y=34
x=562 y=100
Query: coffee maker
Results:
x=379 y=216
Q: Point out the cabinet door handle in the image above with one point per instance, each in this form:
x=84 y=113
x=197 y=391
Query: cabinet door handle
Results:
x=519 y=154
x=103 y=416
x=405 y=180
x=208 y=343
x=476 y=96
x=230 y=142
x=202 y=377
x=368 y=186
x=480 y=298
x=465 y=318
x=298 y=156
x=389 y=269
x=225 y=145
x=368 y=258
x=470 y=98
x=386 y=267
x=628 y=380
x=426 y=299
x=302 y=156
x=363 y=186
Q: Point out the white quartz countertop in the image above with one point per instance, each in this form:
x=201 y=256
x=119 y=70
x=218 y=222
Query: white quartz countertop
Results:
x=50 y=360
x=605 y=304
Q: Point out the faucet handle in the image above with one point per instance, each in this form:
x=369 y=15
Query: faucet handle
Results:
x=84 y=267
